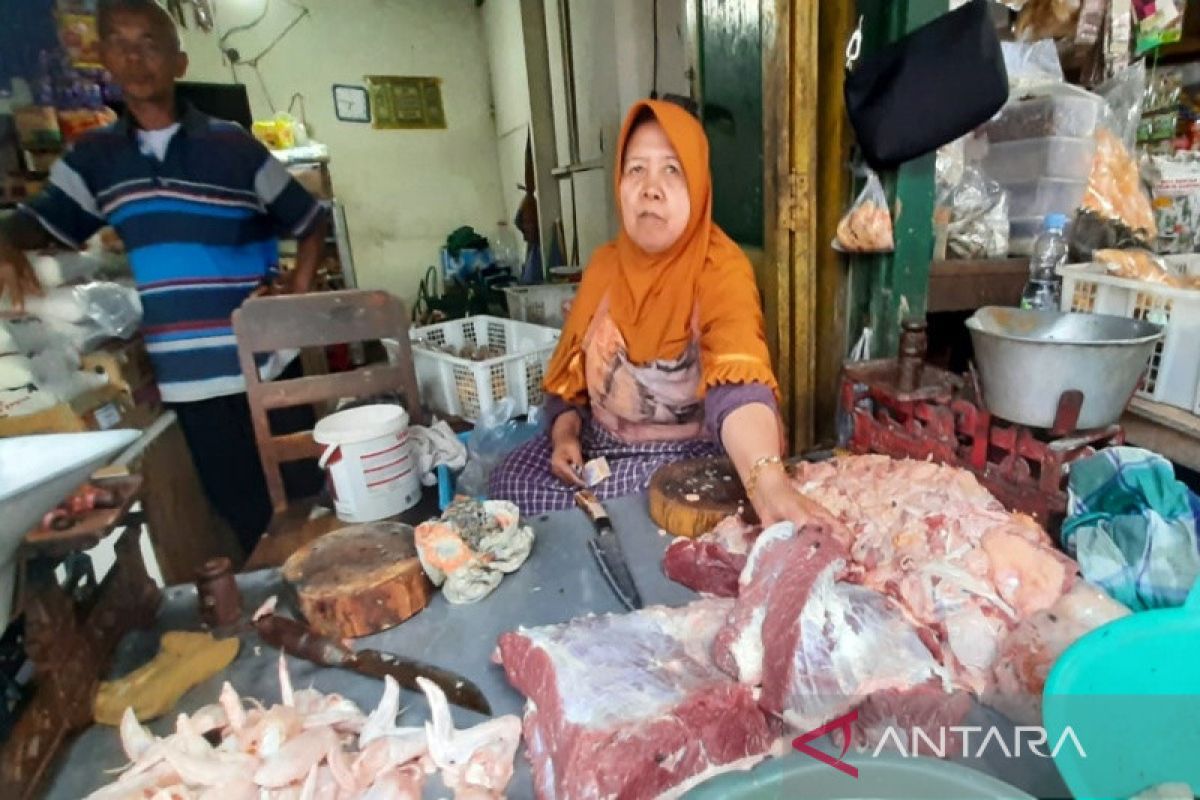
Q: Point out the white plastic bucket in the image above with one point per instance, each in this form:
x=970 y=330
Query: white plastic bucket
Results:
x=372 y=472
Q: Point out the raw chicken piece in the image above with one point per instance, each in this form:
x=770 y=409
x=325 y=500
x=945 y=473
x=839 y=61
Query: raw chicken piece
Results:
x=387 y=752
x=295 y=758
x=382 y=721
x=232 y=703
x=1030 y=651
x=142 y=784
x=135 y=739
x=239 y=789
x=479 y=757
x=398 y=783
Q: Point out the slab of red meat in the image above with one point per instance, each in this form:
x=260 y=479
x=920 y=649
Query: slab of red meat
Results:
x=712 y=562
x=817 y=645
x=897 y=714
x=780 y=554
x=632 y=706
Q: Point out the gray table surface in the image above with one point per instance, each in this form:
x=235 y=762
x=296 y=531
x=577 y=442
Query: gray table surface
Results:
x=560 y=581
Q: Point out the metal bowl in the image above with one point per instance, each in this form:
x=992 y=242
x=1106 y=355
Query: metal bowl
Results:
x=1028 y=359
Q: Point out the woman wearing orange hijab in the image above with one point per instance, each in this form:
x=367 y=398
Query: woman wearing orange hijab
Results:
x=663 y=355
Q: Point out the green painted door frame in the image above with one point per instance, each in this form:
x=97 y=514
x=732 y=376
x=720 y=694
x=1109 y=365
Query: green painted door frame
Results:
x=885 y=289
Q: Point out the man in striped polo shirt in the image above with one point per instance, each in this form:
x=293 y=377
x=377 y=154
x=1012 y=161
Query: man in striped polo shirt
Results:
x=198 y=203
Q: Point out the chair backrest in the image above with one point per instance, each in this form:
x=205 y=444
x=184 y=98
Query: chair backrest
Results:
x=267 y=324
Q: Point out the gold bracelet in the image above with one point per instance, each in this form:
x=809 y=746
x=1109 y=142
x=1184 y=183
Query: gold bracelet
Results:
x=752 y=478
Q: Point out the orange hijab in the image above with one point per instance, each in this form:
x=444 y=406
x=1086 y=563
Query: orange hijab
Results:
x=652 y=298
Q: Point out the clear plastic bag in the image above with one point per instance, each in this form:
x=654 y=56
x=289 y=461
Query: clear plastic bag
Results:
x=1115 y=196
x=494 y=437
x=115 y=309
x=978 y=217
x=867 y=226
x=1124 y=95
x=1031 y=64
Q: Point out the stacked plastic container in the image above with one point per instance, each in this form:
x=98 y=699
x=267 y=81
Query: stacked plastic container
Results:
x=1040 y=150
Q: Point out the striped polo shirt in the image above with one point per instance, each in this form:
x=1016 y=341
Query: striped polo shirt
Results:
x=200 y=228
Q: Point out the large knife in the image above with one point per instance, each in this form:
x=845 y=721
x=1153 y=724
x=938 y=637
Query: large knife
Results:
x=606 y=548
x=303 y=642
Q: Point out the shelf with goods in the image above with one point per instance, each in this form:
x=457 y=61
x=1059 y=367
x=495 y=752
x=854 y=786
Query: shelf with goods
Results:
x=309 y=165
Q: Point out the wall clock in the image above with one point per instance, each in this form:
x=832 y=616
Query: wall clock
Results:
x=351 y=103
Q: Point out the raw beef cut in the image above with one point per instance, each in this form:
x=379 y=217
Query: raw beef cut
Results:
x=818 y=646
x=963 y=570
x=1026 y=656
x=712 y=562
x=897 y=714
x=781 y=558
x=632 y=706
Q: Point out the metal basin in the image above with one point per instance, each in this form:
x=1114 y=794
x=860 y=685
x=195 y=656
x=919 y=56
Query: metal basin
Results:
x=1028 y=359
x=36 y=474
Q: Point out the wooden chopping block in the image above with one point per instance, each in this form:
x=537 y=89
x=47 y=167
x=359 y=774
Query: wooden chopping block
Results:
x=690 y=497
x=359 y=580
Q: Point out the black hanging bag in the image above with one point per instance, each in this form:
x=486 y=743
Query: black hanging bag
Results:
x=936 y=84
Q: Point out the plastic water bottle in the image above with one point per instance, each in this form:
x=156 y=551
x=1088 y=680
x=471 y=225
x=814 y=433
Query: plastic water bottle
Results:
x=505 y=250
x=1043 y=292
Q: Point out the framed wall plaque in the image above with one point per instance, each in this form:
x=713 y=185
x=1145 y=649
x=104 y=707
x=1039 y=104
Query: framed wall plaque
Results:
x=406 y=103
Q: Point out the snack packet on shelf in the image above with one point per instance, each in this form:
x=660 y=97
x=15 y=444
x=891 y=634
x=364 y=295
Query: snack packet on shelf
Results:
x=1175 y=192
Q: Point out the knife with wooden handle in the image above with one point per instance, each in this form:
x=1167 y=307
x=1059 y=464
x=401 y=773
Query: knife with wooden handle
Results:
x=606 y=549
x=301 y=641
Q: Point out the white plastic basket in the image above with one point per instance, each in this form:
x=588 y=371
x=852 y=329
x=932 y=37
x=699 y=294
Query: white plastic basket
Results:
x=541 y=305
x=466 y=388
x=1174 y=372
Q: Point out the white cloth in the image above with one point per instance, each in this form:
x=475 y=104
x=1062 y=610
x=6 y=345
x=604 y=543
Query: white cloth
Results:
x=434 y=446
x=62 y=303
x=55 y=269
x=155 y=143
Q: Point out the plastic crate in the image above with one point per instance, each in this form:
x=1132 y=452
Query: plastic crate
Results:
x=1174 y=369
x=465 y=388
x=542 y=304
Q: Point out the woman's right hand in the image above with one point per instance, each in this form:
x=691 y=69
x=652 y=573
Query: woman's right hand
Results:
x=566 y=460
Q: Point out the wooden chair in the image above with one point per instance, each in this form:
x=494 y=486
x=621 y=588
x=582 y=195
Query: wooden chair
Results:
x=267 y=324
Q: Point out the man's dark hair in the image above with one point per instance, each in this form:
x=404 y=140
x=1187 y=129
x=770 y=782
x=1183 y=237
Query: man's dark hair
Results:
x=156 y=14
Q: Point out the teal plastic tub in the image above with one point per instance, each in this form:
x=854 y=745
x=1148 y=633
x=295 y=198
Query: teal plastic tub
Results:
x=1129 y=692
x=883 y=778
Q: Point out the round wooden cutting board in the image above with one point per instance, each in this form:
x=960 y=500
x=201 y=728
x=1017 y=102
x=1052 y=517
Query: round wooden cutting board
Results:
x=689 y=497
x=359 y=580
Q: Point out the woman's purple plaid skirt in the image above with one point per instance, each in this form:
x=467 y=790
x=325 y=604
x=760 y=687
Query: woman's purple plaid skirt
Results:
x=525 y=478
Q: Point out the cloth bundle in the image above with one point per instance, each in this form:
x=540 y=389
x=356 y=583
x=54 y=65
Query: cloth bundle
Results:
x=469 y=550
x=1132 y=527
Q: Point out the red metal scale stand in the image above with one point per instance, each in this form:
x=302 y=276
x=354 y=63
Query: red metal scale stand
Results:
x=906 y=408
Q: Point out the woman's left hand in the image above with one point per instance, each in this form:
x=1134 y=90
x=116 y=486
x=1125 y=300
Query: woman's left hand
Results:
x=777 y=500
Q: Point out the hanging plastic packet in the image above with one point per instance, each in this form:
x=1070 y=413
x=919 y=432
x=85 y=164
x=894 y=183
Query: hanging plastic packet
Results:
x=867 y=226
x=1159 y=22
